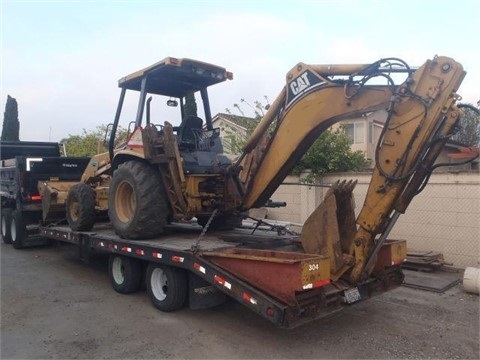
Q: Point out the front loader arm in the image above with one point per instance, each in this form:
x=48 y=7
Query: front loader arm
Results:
x=421 y=115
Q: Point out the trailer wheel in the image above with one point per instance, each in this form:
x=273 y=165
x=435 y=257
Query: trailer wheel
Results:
x=167 y=287
x=137 y=202
x=6 y=224
x=81 y=207
x=18 y=230
x=125 y=274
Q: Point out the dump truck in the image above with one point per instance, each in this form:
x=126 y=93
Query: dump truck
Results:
x=165 y=175
x=23 y=165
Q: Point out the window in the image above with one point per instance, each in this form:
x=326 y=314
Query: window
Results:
x=355 y=132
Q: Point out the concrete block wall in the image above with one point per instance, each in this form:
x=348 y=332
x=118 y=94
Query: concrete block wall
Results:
x=444 y=217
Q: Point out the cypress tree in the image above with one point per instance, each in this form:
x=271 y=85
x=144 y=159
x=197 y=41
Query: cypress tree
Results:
x=11 y=125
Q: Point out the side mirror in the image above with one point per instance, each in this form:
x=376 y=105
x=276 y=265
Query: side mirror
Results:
x=172 y=103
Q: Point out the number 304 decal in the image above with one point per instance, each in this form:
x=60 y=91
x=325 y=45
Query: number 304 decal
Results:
x=313 y=267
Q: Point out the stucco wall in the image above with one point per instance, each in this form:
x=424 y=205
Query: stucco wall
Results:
x=444 y=217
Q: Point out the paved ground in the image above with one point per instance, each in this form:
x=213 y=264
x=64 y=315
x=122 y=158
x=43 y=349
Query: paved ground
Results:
x=54 y=306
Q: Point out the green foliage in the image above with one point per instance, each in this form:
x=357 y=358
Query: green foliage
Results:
x=469 y=133
x=11 y=125
x=91 y=142
x=190 y=107
x=330 y=153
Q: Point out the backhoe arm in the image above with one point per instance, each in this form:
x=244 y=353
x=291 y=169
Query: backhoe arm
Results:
x=421 y=115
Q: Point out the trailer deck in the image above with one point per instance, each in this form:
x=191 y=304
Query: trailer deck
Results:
x=267 y=272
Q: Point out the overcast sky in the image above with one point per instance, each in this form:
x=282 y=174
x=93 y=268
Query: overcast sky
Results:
x=61 y=60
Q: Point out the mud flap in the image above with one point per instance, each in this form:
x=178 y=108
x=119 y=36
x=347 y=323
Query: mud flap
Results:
x=203 y=295
x=330 y=229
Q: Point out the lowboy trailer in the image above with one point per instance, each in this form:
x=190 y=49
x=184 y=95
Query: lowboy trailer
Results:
x=267 y=272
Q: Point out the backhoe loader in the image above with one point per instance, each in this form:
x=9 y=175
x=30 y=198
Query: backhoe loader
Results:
x=166 y=173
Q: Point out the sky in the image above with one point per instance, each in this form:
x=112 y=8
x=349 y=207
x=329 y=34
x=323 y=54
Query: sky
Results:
x=61 y=60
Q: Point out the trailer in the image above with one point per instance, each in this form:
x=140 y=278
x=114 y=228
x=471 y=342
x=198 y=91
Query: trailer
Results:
x=264 y=270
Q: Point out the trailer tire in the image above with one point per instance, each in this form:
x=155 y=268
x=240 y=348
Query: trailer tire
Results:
x=18 y=230
x=6 y=224
x=80 y=206
x=125 y=273
x=137 y=201
x=167 y=287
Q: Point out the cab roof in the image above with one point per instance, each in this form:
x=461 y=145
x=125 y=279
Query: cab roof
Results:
x=176 y=77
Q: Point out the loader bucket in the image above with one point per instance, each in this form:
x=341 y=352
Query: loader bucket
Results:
x=330 y=229
x=280 y=274
x=53 y=200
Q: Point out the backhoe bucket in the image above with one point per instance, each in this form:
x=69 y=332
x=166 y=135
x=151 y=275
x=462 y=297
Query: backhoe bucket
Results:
x=330 y=229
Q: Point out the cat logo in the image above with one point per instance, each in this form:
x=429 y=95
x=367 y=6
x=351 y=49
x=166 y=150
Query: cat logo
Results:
x=300 y=84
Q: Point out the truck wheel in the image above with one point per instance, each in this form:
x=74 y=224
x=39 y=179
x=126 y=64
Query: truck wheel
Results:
x=137 y=202
x=18 y=230
x=167 y=287
x=6 y=223
x=221 y=222
x=125 y=273
x=81 y=207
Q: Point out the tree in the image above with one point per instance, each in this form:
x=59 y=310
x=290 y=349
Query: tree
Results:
x=11 y=125
x=469 y=133
x=330 y=153
x=91 y=142
x=190 y=107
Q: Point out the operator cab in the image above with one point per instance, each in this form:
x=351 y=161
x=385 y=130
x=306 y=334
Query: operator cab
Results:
x=179 y=82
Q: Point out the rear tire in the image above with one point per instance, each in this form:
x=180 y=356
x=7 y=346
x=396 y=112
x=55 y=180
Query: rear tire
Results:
x=6 y=224
x=167 y=287
x=18 y=230
x=81 y=207
x=137 y=202
x=125 y=274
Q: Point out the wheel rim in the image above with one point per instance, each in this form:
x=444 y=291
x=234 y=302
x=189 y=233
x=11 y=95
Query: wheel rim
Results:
x=4 y=226
x=118 y=270
x=73 y=209
x=158 y=281
x=125 y=202
x=13 y=230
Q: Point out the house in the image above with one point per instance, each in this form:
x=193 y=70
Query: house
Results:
x=364 y=132
x=234 y=131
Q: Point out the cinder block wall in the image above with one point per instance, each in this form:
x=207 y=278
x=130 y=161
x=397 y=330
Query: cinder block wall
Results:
x=444 y=217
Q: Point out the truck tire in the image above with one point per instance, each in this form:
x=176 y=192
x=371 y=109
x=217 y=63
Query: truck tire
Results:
x=6 y=224
x=18 y=230
x=80 y=206
x=220 y=222
x=167 y=287
x=125 y=273
x=137 y=202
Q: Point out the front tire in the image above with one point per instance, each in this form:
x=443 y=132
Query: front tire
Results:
x=18 y=230
x=125 y=274
x=6 y=224
x=137 y=203
x=167 y=287
x=81 y=207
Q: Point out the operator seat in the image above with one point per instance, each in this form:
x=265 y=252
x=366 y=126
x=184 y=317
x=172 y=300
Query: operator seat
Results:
x=186 y=131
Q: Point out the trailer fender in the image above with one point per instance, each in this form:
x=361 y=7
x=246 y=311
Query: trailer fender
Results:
x=203 y=295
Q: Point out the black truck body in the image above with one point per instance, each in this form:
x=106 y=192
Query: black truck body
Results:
x=23 y=164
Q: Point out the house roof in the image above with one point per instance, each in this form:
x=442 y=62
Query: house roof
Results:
x=241 y=121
